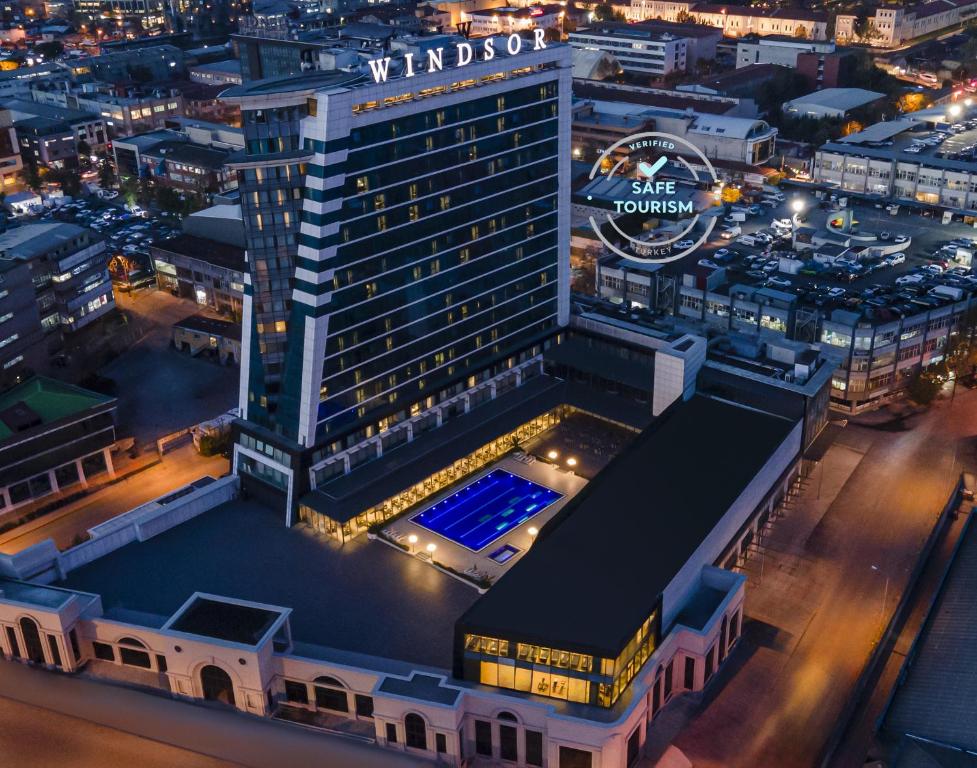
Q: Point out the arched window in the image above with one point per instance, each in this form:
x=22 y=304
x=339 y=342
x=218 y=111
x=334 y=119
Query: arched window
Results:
x=32 y=640
x=326 y=680
x=131 y=656
x=415 y=731
x=507 y=716
x=331 y=694
x=216 y=685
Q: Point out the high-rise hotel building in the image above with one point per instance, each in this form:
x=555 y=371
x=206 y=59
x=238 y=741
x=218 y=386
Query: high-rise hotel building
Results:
x=407 y=242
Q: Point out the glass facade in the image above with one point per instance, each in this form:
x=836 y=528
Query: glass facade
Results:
x=446 y=252
x=556 y=673
x=431 y=485
x=430 y=244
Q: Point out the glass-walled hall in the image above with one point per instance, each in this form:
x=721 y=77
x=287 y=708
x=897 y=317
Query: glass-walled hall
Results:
x=458 y=470
x=556 y=673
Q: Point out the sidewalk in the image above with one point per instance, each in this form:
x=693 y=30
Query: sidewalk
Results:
x=176 y=469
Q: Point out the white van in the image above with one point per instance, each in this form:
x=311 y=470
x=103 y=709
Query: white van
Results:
x=746 y=240
x=731 y=232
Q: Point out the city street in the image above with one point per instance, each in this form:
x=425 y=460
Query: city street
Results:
x=178 y=468
x=101 y=717
x=831 y=573
x=39 y=738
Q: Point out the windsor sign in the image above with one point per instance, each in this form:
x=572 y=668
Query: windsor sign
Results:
x=466 y=55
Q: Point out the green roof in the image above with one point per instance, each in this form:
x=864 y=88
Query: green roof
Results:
x=51 y=400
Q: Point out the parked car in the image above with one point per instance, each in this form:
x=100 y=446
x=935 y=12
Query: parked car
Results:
x=909 y=280
x=683 y=244
x=894 y=258
x=778 y=282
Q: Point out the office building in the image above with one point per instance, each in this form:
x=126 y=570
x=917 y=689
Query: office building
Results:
x=892 y=26
x=890 y=160
x=69 y=272
x=190 y=156
x=733 y=20
x=822 y=63
x=137 y=110
x=53 y=437
x=89 y=128
x=11 y=163
x=461 y=179
x=16 y=83
x=831 y=102
x=598 y=124
x=209 y=272
x=227 y=72
x=148 y=15
x=636 y=48
x=507 y=20
x=150 y=64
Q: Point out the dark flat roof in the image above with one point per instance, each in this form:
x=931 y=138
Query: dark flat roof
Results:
x=364 y=597
x=651 y=97
x=345 y=497
x=212 y=325
x=245 y=624
x=209 y=251
x=597 y=569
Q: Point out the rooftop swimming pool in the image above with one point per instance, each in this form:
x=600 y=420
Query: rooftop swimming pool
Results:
x=486 y=509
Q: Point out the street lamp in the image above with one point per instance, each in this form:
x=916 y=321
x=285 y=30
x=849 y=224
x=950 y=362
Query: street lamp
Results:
x=412 y=539
x=552 y=455
x=955 y=110
x=571 y=462
x=797 y=206
x=533 y=532
x=430 y=550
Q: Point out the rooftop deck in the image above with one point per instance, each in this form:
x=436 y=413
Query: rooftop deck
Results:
x=362 y=597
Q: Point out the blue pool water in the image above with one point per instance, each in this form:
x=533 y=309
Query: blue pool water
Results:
x=490 y=507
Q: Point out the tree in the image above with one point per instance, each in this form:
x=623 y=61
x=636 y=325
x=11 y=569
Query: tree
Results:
x=67 y=178
x=106 y=172
x=606 y=12
x=801 y=32
x=32 y=177
x=923 y=388
x=50 y=50
x=865 y=29
x=911 y=101
x=684 y=17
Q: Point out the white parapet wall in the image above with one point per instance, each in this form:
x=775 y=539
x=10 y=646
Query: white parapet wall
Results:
x=43 y=563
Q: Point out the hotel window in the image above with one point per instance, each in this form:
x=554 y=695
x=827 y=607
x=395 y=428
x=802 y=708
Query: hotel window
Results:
x=483 y=738
x=415 y=731
x=381 y=223
x=103 y=651
x=296 y=692
x=534 y=748
x=391 y=733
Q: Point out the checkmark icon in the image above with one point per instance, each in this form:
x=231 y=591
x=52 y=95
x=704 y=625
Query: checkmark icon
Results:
x=648 y=170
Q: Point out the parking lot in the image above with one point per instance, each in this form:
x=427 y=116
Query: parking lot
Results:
x=903 y=283
x=126 y=232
